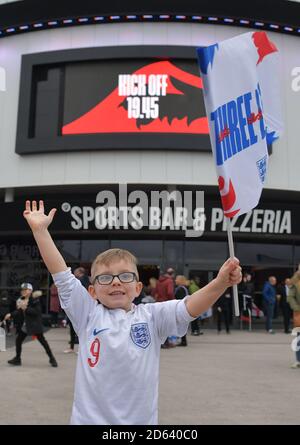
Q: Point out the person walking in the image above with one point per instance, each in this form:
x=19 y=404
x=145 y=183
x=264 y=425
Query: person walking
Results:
x=28 y=321
x=269 y=299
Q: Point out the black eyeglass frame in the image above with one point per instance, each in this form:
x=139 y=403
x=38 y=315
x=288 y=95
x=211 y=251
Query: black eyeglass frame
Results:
x=134 y=278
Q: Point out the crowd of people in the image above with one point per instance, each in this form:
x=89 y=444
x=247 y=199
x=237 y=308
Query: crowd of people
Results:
x=25 y=315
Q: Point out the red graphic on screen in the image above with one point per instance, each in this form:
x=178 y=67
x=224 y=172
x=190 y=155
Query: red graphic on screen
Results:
x=263 y=44
x=111 y=116
x=228 y=199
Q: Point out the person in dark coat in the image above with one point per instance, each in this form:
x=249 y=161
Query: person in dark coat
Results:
x=287 y=312
x=28 y=321
x=269 y=299
x=247 y=291
x=224 y=305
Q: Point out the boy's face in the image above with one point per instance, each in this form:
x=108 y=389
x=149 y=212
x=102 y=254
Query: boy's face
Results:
x=116 y=295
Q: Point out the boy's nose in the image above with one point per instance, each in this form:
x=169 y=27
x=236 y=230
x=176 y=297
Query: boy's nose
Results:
x=116 y=280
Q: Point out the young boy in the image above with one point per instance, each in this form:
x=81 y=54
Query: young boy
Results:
x=118 y=365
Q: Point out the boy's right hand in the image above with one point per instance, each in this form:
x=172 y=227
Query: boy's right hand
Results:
x=36 y=217
x=230 y=273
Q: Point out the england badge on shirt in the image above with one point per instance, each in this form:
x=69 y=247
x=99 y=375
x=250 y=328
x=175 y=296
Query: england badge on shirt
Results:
x=140 y=335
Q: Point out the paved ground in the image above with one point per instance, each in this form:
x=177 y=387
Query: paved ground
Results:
x=241 y=378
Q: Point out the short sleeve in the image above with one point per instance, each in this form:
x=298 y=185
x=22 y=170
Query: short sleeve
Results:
x=74 y=299
x=171 y=318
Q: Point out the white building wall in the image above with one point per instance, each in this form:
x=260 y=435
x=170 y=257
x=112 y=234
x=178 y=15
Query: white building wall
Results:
x=133 y=166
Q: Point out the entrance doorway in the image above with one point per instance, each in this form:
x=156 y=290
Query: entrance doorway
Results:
x=147 y=271
x=204 y=276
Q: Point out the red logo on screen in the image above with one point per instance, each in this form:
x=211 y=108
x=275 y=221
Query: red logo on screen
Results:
x=112 y=115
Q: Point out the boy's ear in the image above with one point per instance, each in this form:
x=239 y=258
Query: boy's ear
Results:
x=91 y=291
x=139 y=287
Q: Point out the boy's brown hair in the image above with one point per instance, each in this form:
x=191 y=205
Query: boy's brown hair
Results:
x=110 y=256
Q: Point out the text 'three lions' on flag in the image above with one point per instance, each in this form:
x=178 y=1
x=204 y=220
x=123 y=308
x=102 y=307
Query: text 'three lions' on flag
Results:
x=242 y=100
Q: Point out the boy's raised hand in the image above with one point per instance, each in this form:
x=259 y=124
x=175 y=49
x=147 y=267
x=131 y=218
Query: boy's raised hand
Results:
x=36 y=217
x=230 y=273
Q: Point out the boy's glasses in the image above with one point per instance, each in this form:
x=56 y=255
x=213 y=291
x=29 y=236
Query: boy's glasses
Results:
x=124 y=277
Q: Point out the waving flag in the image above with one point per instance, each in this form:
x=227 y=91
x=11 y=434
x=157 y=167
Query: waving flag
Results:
x=241 y=94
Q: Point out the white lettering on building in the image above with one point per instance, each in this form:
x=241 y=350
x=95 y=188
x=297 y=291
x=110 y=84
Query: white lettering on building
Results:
x=256 y=221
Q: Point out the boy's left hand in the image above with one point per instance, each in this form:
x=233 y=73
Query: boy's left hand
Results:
x=230 y=273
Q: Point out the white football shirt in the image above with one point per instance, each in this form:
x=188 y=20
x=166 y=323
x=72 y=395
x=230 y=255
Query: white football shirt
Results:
x=117 y=370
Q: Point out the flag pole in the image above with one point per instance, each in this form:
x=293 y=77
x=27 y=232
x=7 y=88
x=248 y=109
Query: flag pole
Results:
x=231 y=253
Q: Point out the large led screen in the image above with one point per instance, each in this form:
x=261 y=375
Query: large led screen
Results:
x=112 y=98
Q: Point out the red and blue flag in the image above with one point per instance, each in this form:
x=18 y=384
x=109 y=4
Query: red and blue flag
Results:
x=242 y=99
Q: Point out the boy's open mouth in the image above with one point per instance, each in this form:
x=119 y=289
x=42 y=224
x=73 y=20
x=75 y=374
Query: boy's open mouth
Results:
x=117 y=292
